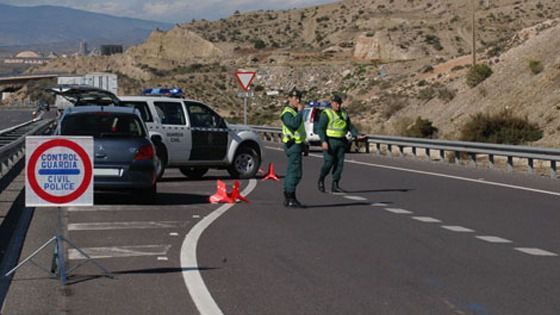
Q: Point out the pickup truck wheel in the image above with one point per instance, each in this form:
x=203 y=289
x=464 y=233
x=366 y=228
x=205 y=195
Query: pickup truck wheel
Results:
x=245 y=163
x=194 y=172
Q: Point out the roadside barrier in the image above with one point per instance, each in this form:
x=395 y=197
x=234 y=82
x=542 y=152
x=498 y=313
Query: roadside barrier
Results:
x=458 y=152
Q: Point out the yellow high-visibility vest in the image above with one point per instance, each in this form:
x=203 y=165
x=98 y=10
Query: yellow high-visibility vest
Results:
x=338 y=123
x=299 y=135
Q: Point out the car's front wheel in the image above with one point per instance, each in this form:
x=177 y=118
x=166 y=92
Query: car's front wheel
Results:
x=245 y=163
x=194 y=172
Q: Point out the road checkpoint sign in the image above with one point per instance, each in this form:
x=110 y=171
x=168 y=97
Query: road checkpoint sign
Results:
x=245 y=79
x=59 y=171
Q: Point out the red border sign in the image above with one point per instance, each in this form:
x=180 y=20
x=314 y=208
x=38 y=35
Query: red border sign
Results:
x=238 y=75
x=88 y=174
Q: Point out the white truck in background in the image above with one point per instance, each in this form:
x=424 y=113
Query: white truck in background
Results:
x=101 y=80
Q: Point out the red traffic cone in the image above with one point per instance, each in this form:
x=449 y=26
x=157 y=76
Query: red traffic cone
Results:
x=221 y=195
x=235 y=195
x=271 y=174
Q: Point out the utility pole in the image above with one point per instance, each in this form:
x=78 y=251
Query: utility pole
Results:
x=473 y=2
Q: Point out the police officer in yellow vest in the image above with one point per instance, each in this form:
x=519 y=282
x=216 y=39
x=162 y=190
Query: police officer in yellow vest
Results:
x=293 y=137
x=333 y=126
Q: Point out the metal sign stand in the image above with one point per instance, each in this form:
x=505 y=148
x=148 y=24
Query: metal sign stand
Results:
x=58 y=267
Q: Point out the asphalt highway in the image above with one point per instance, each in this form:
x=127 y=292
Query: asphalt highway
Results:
x=13 y=117
x=407 y=237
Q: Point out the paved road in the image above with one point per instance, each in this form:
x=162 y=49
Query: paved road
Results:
x=407 y=238
x=14 y=117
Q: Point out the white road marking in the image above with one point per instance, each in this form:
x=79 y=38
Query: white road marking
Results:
x=196 y=216
x=466 y=179
x=456 y=228
x=173 y=234
x=379 y=204
x=121 y=208
x=398 y=211
x=162 y=258
x=137 y=225
x=426 y=219
x=189 y=262
x=493 y=239
x=535 y=251
x=120 y=251
x=356 y=198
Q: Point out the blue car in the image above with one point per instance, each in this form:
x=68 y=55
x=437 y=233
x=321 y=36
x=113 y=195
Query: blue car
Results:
x=125 y=156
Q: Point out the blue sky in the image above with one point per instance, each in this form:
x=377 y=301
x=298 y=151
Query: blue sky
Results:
x=173 y=11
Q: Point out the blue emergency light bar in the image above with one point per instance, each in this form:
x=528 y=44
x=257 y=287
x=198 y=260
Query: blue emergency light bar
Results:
x=172 y=92
x=319 y=104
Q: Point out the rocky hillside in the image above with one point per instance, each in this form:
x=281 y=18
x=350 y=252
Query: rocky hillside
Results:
x=394 y=59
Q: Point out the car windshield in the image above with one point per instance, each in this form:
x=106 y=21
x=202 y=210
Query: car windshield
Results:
x=102 y=124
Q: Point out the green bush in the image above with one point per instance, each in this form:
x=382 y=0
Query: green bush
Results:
x=536 y=66
x=259 y=44
x=477 y=74
x=501 y=128
x=421 y=128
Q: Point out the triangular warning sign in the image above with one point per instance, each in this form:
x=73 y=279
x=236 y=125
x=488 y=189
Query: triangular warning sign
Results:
x=245 y=79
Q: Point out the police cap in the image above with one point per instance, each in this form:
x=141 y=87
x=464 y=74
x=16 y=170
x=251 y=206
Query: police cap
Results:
x=295 y=93
x=336 y=99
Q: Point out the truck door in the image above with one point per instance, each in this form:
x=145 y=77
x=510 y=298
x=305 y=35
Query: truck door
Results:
x=174 y=130
x=209 y=133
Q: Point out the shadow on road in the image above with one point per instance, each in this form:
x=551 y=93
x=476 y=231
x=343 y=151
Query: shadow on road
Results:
x=377 y=191
x=163 y=199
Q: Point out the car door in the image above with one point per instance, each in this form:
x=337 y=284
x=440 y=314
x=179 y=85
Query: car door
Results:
x=174 y=129
x=209 y=133
x=144 y=110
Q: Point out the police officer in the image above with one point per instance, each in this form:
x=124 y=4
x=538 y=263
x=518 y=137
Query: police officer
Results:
x=293 y=137
x=333 y=126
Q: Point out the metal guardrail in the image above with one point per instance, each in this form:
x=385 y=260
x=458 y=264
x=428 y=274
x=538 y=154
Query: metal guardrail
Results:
x=458 y=149
x=12 y=142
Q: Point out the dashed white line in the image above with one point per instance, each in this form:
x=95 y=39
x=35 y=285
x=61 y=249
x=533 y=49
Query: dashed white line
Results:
x=535 y=251
x=136 y=225
x=173 y=234
x=189 y=262
x=379 y=204
x=493 y=239
x=120 y=251
x=426 y=219
x=398 y=211
x=196 y=216
x=356 y=198
x=162 y=258
x=456 y=228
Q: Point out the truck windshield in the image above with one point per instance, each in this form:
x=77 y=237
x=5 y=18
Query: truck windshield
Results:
x=101 y=125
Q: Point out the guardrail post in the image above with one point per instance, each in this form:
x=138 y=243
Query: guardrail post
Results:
x=378 y=149
x=442 y=156
x=390 y=150
x=414 y=152
x=491 y=160
x=510 y=164
x=530 y=167
x=428 y=154
x=472 y=159
x=553 y=169
x=401 y=151
x=457 y=157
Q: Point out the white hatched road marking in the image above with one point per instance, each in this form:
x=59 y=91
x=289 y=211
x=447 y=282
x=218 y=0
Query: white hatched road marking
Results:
x=535 y=251
x=120 y=251
x=379 y=204
x=136 y=225
x=493 y=239
x=189 y=262
x=427 y=219
x=162 y=258
x=356 y=198
x=456 y=228
x=398 y=211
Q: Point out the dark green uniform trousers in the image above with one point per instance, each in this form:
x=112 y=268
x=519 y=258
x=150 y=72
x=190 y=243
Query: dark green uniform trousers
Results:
x=294 y=171
x=334 y=158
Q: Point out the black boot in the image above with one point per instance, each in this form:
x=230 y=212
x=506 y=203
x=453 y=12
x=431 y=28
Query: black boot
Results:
x=293 y=202
x=286 y=199
x=321 y=184
x=335 y=188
